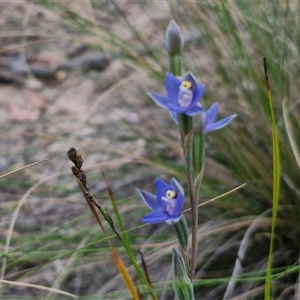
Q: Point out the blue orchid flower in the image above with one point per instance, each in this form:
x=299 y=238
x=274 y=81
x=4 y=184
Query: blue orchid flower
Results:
x=183 y=95
x=210 y=117
x=166 y=205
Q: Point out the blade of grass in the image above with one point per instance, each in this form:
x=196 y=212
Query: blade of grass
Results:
x=22 y=168
x=290 y=132
x=39 y=287
x=125 y=275
x=124 y=234
x=276 y=186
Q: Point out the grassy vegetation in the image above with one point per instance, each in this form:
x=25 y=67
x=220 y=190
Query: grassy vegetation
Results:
x=55 y=241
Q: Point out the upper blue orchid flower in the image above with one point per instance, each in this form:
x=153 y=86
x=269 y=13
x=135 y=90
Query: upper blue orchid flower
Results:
x=183 y=95
x=210 y=117
x=167 y=204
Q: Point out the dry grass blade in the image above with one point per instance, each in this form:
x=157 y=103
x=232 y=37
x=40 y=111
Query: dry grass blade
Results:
x=22 y=168
x=35 y=286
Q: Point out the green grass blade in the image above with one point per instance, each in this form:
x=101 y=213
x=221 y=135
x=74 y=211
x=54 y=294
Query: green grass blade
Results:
x=276 y=187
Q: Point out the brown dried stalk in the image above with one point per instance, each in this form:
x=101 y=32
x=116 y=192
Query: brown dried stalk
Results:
x=81 y=177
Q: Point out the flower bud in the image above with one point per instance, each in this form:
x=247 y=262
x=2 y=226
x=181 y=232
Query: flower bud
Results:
x=181 y=282
x=173 y=38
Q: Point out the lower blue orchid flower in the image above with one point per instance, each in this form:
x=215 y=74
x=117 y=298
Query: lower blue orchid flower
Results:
x=210 y=117
x=183 y=95
x=166 y=205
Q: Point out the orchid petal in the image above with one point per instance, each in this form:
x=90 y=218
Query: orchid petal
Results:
x=172 y=221
x=159 y=99
x=191 y=78
x=176 y=108
x=172 y=84
x=193 y=111
x=198 y=93
x=149 y=199
x=178 y=205
x=176 y=186
x=174 y=117
x=220 y=124
x=155 y=217
x=211 y=115
x=161 y=191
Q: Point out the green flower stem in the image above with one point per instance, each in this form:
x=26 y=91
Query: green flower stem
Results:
x=175 y=64
x=193 y=201
x=182 y=233
x=198 y=149
x=185 y=125
x=198 y=154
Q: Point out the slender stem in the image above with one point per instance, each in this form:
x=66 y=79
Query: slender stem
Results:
x=193 y=201
x=175 y=64
x=186 y=134
x=276 y=186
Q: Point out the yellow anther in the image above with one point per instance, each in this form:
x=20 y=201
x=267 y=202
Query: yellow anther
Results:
x=186 y=84
x=171 y=194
